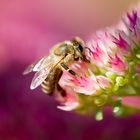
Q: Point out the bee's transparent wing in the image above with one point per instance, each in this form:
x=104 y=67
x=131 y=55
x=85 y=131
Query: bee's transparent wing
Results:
x=37 y=65
x=42 y=74
x=29 y=68
x=44 y=62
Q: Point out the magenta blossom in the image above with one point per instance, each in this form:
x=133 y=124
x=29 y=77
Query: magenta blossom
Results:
x=112 y=71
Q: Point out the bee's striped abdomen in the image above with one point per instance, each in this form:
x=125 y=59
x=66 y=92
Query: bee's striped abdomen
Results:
x=48 y=86
x=50 y=83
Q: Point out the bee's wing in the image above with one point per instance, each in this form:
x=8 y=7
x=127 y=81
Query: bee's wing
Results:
x=37 y=65
x=44 y=62
x=42 y=74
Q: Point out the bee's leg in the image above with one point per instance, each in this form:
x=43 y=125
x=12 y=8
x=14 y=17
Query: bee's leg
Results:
x=61 y=90
x=68 y=69
x=57 y=86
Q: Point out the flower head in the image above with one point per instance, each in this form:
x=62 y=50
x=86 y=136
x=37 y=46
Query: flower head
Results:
x=113 y=68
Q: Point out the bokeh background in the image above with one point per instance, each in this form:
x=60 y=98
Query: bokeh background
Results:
x=28 y=29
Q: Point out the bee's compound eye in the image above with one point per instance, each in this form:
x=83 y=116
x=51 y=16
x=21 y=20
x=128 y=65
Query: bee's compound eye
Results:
x=80 y=47
x=77 y=45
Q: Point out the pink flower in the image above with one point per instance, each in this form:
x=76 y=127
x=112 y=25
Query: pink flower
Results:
x=107 y=54
x=132 y=17
x=132 y=23
x=117 y=64
x=113 y=56
x=87 y=83
x=123 y=42
x=68 y=102
x=103 y=82
x=133 y=101
x=98 y=50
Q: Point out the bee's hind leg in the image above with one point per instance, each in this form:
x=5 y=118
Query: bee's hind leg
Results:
x=61 y=90
x=57 y=86
x=68 y=69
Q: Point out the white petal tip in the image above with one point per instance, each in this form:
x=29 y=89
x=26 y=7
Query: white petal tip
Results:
x=70 y=107
x=31 y=87
x=25 y=72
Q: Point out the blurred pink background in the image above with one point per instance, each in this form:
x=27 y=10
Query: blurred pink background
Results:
x=27 y=30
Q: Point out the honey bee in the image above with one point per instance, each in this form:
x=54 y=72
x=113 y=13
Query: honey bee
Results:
x=49 y=69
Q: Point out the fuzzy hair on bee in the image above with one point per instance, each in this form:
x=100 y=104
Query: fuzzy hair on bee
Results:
x=49 y=69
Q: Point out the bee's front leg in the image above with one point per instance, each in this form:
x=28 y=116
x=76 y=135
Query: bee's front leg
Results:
x=68 y=69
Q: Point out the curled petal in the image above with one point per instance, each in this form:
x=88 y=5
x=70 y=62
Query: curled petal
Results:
x=103 y=82
x=69 y=106
x=86 y=86
x=118 y=65
x=69 y=101
x=132 y=18
x=122 y=41
x=133 y=101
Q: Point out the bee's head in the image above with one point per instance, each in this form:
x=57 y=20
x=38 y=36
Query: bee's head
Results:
x=78 y=48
